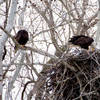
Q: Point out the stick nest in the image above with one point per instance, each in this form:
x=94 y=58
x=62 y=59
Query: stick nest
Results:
x=71 y=77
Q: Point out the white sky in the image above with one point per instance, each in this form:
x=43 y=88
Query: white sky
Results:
x=38 y=26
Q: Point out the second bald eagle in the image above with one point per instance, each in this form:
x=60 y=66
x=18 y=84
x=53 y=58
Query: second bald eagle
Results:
x=82 y=41
x=22 y=38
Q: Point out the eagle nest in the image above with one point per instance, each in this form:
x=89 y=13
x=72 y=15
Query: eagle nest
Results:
x=73 y=77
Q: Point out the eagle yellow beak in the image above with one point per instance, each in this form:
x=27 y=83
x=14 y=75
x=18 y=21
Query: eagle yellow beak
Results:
x=92 y=48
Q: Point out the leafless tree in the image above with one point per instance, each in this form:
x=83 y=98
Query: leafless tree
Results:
x=50 y=23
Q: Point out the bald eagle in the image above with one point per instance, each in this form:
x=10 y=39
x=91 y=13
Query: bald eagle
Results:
x=22 y=38
x=82 y=41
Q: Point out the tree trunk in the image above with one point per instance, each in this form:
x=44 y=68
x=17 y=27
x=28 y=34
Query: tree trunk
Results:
x=4 y=37
x=97 y=39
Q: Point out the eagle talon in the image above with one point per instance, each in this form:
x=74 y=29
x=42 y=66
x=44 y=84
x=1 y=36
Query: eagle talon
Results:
x=22 y=46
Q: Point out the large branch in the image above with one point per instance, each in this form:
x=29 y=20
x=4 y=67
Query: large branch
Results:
x=11 y=82
x=4 y=37
x=97 y=39
x=41 y=52
x=10 y=20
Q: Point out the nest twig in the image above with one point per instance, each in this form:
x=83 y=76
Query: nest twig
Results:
x=71 y=78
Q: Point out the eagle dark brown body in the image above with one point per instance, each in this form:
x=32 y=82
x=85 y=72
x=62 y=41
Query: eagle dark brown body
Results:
x=82 y=41
x=21 y=37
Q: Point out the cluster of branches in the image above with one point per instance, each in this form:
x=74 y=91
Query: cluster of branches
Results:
x=61 y=82
x=50 y=24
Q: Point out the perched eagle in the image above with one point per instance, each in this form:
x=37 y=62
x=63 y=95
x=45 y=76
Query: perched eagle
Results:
x=82 y=41
x=22 y=38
